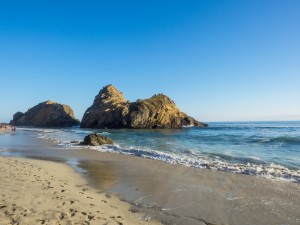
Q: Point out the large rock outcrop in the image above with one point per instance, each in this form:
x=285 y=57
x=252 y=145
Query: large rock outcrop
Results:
x=111 y=110
x=46 y=114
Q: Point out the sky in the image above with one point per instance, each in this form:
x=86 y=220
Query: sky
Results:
x=236 y=60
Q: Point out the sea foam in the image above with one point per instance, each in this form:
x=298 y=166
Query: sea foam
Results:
x=266 y=150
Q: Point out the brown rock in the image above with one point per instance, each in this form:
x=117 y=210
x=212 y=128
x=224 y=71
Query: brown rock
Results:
x=46 y=114
x=107 y=111
x=96 y=139
x=111 y=110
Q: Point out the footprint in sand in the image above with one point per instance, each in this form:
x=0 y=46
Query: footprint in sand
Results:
x=90 y=217
x=62 y=216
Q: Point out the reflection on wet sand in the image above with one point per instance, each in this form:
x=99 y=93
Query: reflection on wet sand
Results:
x=100 y=174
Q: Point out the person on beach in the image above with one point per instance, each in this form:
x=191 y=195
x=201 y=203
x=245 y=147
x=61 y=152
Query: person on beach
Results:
x=13 y=129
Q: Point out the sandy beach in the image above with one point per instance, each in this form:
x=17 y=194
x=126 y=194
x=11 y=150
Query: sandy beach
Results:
x=139 y=189
x=41 y=192
x=150 y=112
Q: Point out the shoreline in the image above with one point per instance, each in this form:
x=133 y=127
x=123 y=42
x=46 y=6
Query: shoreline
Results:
x=236 y=162
x=44 y=192
x=175 y=194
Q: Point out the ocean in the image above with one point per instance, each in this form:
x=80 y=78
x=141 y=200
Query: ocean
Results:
x=266 y=149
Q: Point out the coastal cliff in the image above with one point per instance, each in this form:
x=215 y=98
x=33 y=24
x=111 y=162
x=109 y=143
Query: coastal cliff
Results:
x=111 y=110
x=46 y=114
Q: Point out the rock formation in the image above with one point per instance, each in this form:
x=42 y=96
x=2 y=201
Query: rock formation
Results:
x=111 y=110
x=95 y=140
x=46 y=114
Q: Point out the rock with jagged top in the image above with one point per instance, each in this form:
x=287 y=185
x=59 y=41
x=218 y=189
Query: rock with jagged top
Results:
x=111 y=110
x=108 y=110
x=46 y=114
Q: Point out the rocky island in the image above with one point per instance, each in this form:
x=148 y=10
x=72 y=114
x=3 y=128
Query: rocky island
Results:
x=111 y=110
x=46 y=114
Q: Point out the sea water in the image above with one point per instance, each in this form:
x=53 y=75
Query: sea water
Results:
x=266 y=149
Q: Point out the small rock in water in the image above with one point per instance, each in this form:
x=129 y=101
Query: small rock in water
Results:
x=96 y=140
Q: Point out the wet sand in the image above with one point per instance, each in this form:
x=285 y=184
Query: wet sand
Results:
x=175 y=194
x=178 y=194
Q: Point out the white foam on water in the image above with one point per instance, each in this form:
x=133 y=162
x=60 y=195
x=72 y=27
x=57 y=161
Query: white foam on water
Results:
x=264 y=140
x=254 y=157
x=271 y=171
x=187 y=126
x=70 y=138
x=42 y=130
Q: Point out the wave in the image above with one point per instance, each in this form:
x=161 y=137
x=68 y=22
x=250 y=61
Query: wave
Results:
x=77 y=131
x=282 y=139
x=293 y=140
x=263 y=124
x=38 y=130
x=251 y=165
x=270 y=171
x=188 y=126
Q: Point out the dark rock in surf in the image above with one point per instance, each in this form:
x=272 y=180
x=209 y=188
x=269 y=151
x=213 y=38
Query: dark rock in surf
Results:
x=96 y=140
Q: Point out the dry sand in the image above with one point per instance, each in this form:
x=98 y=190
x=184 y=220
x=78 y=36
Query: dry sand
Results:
x=43 y=192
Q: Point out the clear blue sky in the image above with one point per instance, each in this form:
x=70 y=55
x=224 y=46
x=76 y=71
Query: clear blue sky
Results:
x=218 y=60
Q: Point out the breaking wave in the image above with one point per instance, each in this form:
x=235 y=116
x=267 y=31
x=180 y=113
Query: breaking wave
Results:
x=270 y=171
x=267 y=154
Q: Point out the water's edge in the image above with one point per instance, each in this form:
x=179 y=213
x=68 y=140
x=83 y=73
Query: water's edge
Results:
x=171 y=150
x=149 y=185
